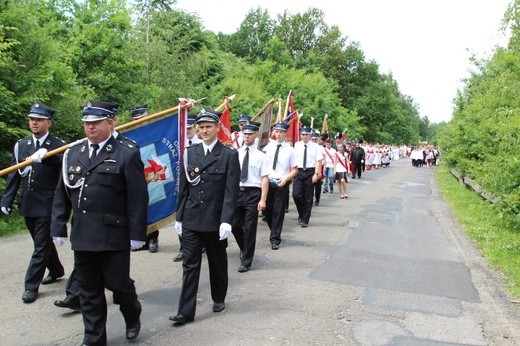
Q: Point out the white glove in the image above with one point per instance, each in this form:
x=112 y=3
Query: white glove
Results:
x=178 y=227
x=38 y=155
x=224 y=231
x=6 y=210
x=59 y=240
x=136 y=244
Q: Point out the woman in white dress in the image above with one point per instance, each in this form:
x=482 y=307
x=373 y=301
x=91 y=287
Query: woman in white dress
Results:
x=341 y=168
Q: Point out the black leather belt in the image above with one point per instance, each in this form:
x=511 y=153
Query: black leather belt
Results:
x=248 y=188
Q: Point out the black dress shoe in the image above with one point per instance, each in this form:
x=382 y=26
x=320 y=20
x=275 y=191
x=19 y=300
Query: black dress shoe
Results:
x=132 y=330
x=243 y=269
x=50 y=279
x=181 y=319
x=317 y=203
x=304 y=225
x=275 y=246
x=71 y=303
x=179 y=257
x=218 y=307
x=153 y=247
x=29 y=296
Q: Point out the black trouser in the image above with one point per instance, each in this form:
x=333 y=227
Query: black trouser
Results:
x=97 y=271
x=356 y=169
x=303 y=193
x=275 y=210
x=192 y=243
x=245 y=222
x=44 y=254
x=317 y=190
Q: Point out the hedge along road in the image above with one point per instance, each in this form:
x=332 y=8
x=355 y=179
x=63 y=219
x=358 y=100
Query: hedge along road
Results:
x=388 y=265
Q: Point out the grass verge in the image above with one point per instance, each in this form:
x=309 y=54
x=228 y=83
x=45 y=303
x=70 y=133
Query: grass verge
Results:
x=498 y=241
x=12 y=224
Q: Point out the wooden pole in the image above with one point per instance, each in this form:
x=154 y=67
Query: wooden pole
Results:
x=263 y=109
x=225 y=102
x=287 y=104
x=70 y=145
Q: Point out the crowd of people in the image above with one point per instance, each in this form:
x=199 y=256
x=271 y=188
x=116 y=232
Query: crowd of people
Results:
x=99 y=187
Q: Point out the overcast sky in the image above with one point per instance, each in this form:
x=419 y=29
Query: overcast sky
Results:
x=425 y=44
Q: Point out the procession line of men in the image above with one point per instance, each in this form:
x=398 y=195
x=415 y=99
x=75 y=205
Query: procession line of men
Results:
x=101 y=183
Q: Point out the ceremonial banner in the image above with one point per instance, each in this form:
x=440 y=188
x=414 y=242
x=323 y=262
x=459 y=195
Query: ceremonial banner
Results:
x=265 y=119
x=159 y=145
x=224 y=130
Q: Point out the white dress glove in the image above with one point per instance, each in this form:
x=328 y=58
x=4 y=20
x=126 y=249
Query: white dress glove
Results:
x=136 y=244
x=224 y=231
x=38 y=155
x=6 y=210
x=59 y=240
x=178 y=227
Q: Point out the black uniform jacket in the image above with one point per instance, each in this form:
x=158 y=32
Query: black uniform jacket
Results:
x=110 y=207
x=39 y=184
x=203 y=207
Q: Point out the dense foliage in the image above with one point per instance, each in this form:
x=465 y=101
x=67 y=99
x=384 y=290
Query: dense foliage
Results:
x=64 y=52
x=483 y=138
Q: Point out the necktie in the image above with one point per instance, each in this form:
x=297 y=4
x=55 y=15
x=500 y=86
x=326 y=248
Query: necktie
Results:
x=305 y=157
x=37 y=144
x=189 y=142
x=95 y=148
x=276 y=156
x=207 y=152
x=245 y=165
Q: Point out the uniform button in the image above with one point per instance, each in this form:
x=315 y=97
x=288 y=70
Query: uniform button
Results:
x=201 y=202
x=84 y=198
x=118 y=221
x=88 y=173
x=86 y=185
x=203 y=171
x=84 y=211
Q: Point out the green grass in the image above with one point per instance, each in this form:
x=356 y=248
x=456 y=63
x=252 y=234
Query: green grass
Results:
x=498 y=241
x=12 y=224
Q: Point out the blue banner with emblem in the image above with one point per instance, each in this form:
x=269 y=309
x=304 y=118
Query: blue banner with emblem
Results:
x=159 y=145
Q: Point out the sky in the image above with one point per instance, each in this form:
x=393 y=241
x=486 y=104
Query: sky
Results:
x=425 y=44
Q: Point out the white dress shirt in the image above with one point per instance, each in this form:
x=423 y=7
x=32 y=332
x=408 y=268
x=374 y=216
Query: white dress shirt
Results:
x=285 y=160
x=314 y=154
x=258 y=166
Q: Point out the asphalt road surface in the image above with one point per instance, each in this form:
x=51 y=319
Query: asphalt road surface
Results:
x=387 y=266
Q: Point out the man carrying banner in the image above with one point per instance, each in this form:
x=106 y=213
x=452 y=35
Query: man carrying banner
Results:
x=191 y=139
x=103 y=184
x=308 y=158
x=38 y=182
x=254 y=185
x=152 y=238
x=315 y=137
x=208 y=193
x=281 y=159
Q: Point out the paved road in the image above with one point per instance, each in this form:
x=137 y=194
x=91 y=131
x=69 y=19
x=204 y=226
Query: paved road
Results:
x=388 y=266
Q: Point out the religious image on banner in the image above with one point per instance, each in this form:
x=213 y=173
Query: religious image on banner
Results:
x=159 y=146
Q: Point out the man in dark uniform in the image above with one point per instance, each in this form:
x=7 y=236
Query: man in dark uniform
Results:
x=308 y=158
x=208 y=193
x=38 y=182
x=358 y=159
x=103 y=184
x=71 y=300
x=254 y=184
